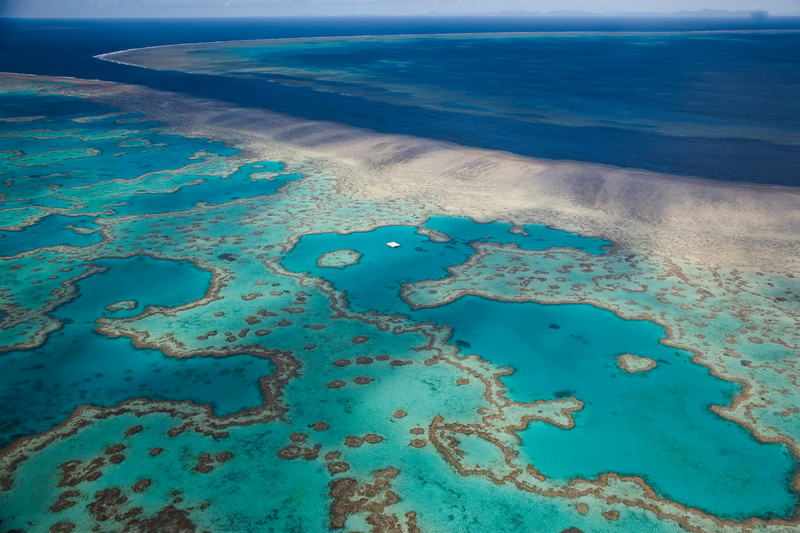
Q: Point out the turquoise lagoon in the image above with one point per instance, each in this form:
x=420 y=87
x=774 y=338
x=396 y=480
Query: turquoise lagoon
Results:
x=107 y=150
x=655 y=424
x=41 y=162
x=50 y=231
x=418 y=258
x=39 y=388
x=213 y=190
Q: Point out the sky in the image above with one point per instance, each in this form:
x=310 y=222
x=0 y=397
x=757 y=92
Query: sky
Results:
x=204 y=8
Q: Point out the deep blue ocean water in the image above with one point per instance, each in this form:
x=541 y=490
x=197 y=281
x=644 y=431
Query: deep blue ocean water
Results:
x=740 y=81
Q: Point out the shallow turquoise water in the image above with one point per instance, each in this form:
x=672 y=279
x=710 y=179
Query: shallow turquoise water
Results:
x=137 y=148
x=654 y=424
x=75 y=366
x=59 y=154
x=43 y=201
x=128 y=162
x=49 y=231
x=39 y=388
x=418 y=258
x=539 y=237
x=54 y=107
x=214 y=190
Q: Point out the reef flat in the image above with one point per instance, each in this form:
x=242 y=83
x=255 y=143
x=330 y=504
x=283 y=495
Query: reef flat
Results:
x=493 y=372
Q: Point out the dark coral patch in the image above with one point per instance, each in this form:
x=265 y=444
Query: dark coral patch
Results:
x=134 y=430
x=75 y=472
x=387 y=473
x=298 y=437
x=64 y=501
x=350 y=497
x=338 y=467
x=360 y=339
x=363 y=380
x=105 y=504
x=295 y=451
x=204 y=464
x=169 y=519
x=141 y=485
x=353 y=441
x=223 y=456
x=336 y=384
